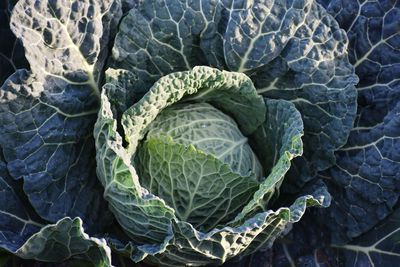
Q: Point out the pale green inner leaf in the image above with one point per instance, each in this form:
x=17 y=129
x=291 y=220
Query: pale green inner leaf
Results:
x=202 y=190
x=209 y=130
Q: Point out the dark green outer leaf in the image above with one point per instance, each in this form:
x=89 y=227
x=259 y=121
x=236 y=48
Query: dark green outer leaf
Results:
x=160 y=37
x=46 y=120
x=16 y=223
x=47 y=117
x=313 y=72
x=11 y=50
x=26 y=236
x=49 y=145
x=365 y=181
x=379 y=247
x=258 y=31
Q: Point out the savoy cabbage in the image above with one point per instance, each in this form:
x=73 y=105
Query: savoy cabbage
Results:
x=187 y=133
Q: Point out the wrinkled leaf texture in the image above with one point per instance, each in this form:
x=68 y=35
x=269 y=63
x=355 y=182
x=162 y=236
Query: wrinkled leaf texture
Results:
x=168 y=240
x=11 y=50
x=292 y=50
x=47 y=117
x=365 y=182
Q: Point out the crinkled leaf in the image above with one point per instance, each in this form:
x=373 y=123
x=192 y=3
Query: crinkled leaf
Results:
x=63 y=240
x=278 y=141
x=313 y=72
x=215 y=247
x=24 y=236
x=202 y=189
x=47 y=117
x=66 y=39
x=137 y=210
x=48 y=142
x=365 y=181
x=143 y=216
x=258 y=31
x=16 y=224
x=160 y=37
x=230 y=92
x=11 y=50
x=158 y=235
x=307 y=244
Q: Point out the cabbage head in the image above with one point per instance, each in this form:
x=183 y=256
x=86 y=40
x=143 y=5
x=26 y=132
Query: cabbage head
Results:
x=201 y=160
